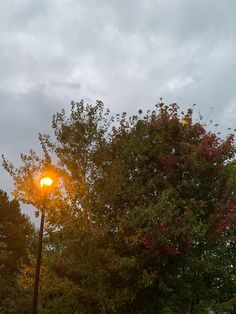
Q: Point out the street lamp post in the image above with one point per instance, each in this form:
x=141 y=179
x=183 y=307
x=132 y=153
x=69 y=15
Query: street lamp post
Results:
x=45 y=183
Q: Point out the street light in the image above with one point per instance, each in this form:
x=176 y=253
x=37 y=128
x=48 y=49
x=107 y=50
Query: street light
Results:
x=45 y=184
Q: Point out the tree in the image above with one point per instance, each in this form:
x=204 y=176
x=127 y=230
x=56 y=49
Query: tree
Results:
x=143 y=217
x=15 y=236
x=15 y=233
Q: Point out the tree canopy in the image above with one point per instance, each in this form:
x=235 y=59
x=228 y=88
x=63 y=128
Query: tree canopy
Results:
x=143 y=216
x=15 y=238
x=15 y=233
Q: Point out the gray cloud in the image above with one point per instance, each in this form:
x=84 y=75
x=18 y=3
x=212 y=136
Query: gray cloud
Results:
x=126 y=53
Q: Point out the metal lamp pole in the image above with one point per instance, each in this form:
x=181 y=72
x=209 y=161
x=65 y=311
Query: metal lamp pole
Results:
x=44 y=182
x=37 y=267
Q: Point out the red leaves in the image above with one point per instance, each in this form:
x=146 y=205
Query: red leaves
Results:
x=168 y=240
x=214 y=149
x=168 y=161
x=209 y=145
x=146 y=241
x=224 y=216
x=166 y=247
x=169 y=249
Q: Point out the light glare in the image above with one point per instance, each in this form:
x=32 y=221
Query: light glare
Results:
x=46 y=181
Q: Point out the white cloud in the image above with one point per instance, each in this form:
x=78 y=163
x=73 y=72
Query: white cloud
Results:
x=179 y=82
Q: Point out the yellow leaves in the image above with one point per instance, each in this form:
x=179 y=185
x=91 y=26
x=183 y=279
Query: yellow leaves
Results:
x=132 y=240
x=26 y=277
x=49 y=280
x=184 y=121
x=148 y=278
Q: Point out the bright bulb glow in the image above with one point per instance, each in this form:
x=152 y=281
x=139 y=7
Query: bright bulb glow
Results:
x=46 y=181
x=184 y=121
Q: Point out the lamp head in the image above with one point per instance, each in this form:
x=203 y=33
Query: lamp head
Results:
x=46 y=182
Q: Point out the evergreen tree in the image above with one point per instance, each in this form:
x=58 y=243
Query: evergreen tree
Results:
x=15 y=236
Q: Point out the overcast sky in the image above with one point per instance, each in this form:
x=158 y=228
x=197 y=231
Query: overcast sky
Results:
x=127 y=53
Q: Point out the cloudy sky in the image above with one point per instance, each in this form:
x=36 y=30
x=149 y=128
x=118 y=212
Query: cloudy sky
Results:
x=127 y=53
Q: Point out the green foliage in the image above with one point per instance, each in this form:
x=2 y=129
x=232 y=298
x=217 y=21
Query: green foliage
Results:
x=15 y=233
x=13 y=298
x=15 y=237
x=143 y=216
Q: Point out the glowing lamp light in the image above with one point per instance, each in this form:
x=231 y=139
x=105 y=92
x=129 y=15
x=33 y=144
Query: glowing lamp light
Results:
x=46 y=182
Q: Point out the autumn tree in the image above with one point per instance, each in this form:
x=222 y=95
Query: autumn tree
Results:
x=143 y=217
